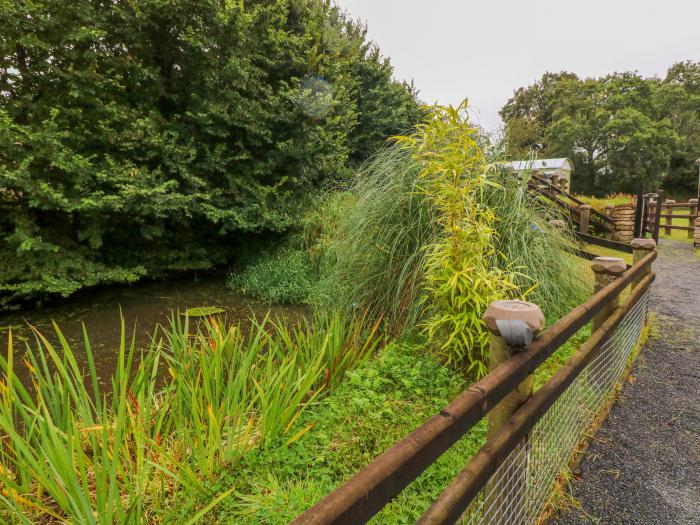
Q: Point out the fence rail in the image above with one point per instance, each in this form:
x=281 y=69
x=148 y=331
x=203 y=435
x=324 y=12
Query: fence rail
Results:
x=659 y=209
x=513 y=447
x=369 y=490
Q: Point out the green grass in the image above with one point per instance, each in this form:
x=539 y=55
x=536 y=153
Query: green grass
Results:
x=378 y=404
x=616 y=199
x=286 y=277
x=607 y=252
x=376 y=256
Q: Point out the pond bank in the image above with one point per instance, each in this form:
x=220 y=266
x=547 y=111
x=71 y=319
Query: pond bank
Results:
x=142 y=306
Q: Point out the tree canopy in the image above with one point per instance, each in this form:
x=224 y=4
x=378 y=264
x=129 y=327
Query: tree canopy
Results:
x=138 y=137
x=621 y=130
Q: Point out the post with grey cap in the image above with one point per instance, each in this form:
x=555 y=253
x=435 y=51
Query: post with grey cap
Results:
x=585 y=218
x=513 y=325
x=606 y=270
x=640 y=248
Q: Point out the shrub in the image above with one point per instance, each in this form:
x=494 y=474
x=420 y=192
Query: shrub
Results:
x=375 y=257
x=539 y=255
x=285 y=277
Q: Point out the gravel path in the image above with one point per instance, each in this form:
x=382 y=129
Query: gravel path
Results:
x=643 y=466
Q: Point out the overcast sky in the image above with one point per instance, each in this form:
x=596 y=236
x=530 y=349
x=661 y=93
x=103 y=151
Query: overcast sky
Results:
x=486 y=49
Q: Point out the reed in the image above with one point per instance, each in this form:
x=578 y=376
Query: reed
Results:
x=193 y=403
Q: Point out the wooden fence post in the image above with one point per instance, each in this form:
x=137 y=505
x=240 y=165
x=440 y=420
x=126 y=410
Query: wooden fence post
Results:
x=512 y=325
x=555 y=180
x=668 y=221
x=606 y=270
x=609 y=211
x=657 y=220
x=585 y=218
x=640 y=248
x=693 y=215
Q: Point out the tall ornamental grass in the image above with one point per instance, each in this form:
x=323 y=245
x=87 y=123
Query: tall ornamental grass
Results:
x=375 y=257
x=540 y=255
x=436 y=232
x=71 y=453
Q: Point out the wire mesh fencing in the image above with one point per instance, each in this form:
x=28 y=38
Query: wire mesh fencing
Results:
x=520 y=488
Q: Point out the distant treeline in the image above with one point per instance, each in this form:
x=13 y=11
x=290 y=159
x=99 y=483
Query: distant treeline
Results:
x=621 y=130
x=138 y=137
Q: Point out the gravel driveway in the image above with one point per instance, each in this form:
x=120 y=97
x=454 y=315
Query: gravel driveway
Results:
x=643 y=466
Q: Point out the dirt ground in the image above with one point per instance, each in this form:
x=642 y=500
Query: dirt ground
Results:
x=643 y=466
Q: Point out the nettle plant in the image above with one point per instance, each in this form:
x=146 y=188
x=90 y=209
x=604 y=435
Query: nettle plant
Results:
x=461 y=276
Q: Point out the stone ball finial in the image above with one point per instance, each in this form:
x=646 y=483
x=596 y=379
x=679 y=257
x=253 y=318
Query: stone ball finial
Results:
x=529 y=313
x=608 y=265
x=643 y=244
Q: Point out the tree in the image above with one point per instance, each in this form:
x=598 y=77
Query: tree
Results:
x=138 y=138
x=612 y=128
x=530 y=111
x=679 y=99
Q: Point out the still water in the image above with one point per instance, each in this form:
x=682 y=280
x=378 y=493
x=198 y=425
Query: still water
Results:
x=142 y=306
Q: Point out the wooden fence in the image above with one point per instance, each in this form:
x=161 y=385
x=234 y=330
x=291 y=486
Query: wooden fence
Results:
x=588 y=220
x=369 y=490
x=670 y=210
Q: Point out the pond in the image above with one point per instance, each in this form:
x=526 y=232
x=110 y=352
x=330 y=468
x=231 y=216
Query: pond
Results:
x=143 y=306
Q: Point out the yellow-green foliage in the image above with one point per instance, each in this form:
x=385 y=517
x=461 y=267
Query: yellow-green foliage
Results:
x=615 y=199
x=460 y=278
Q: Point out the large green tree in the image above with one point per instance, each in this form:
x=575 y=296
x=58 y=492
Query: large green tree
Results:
x=143 y=136
x=679 y=99
x=616 y=129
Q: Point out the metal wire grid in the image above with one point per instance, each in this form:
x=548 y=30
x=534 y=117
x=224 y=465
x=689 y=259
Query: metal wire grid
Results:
x=517 y=492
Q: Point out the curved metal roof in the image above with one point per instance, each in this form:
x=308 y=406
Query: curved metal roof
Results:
x=541 y=164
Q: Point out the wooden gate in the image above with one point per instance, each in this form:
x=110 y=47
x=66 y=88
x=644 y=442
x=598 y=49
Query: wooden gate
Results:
x=648 y=214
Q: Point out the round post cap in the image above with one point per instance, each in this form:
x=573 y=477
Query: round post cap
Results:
x=585 y=207
x=643 y=244
x=608 y=265
x=670 y=201
x=693 y=201
x=508 y=310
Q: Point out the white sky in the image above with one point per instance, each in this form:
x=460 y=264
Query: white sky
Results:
x=486 y=49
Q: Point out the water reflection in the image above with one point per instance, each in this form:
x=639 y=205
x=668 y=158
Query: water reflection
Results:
x=142 y=306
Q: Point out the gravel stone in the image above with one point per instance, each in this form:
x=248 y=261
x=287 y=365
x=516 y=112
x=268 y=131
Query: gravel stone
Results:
x=643 y=466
